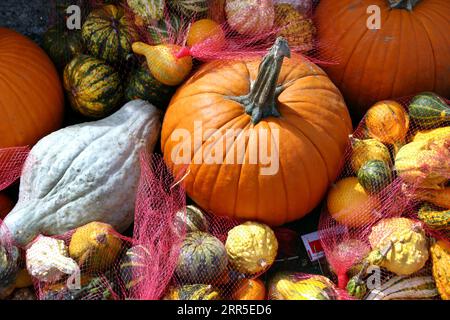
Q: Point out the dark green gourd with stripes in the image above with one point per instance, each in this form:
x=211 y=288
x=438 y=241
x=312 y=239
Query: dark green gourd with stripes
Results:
x=374 y=176
x=142 y=85
x=108 y=35
x=202 y=258
x=133 y=267
x=429 y=110
x=94 y=88
x=62 y=44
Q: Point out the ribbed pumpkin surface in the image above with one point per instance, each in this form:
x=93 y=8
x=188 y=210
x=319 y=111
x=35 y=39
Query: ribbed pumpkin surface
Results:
x=313 y=133
x=31 y=97
x=410 y=52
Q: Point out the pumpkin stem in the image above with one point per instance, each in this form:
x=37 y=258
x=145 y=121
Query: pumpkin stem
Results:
x=403 y=4
x=261 y=101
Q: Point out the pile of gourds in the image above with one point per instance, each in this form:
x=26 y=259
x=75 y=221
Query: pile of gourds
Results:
x=418 y=137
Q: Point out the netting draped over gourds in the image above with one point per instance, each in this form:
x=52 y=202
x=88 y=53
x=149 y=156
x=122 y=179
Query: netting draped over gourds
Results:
x=391 y=200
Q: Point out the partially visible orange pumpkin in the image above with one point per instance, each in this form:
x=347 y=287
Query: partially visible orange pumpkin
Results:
x=6 y=205
x=250 y=289
x=31 y=96
x=289 y=111
x=409 y=53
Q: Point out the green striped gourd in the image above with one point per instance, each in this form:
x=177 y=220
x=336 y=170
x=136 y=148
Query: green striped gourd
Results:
x=202 y=259
x=429 y=110
x=190 y=8
x=142 y=85
x=435 y=219
x=147 y=10
x=190 y=220
x=402 y=288
x=374 y=176
x=108 y=35
x=62 y=44
x=93 y=87
x=167 y=30
x=193 y=292
x=132 y=266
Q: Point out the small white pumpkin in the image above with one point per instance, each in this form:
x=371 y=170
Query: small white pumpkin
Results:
x=83 y=173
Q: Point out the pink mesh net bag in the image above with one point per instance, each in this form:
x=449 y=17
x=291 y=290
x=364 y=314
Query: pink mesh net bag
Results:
x=180 y=252
x=390 y=201
x=227 y=29
x=11 y=163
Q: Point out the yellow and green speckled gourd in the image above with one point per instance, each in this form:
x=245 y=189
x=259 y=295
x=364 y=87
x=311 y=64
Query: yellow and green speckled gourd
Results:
x=93 y=87
x=108 y=34
x=435 y=219
x=193 y=292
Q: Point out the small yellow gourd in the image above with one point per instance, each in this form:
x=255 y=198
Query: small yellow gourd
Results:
x=301 y=287
x=408 y=251
x=425 y=161
x=163 y=64
x=440 y=256
x=95 y=246
x=251 y=247
x=367 y=149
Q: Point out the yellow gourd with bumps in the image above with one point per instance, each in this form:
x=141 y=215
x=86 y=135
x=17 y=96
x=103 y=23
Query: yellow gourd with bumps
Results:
x=251 y=247
x=95 y=246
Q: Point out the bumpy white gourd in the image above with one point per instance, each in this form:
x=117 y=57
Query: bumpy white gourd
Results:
x=84 y=173
x=48 y=260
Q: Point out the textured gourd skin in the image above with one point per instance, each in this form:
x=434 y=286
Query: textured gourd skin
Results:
x=424 y=162
x=295 y=286
x=409 y=251
x=83 y=173
x=440 y=254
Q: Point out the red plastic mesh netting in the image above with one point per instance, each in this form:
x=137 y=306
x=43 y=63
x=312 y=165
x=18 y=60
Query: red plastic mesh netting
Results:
x=11 y=163
x=381 y=214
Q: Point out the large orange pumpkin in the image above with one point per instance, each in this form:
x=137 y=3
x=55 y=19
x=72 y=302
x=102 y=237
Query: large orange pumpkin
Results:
x=295 y=116
x=31 y=96
x=410 y=52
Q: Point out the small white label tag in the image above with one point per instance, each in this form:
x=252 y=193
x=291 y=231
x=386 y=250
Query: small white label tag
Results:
x=313 y=246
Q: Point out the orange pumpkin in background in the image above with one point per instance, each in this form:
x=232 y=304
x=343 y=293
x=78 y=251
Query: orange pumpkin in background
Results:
x=410 y=53
x=6 y=206
x=31 y=96
x=289 y=112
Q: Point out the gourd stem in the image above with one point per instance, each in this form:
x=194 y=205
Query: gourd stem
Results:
x=261 y=101
x=403 y=4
